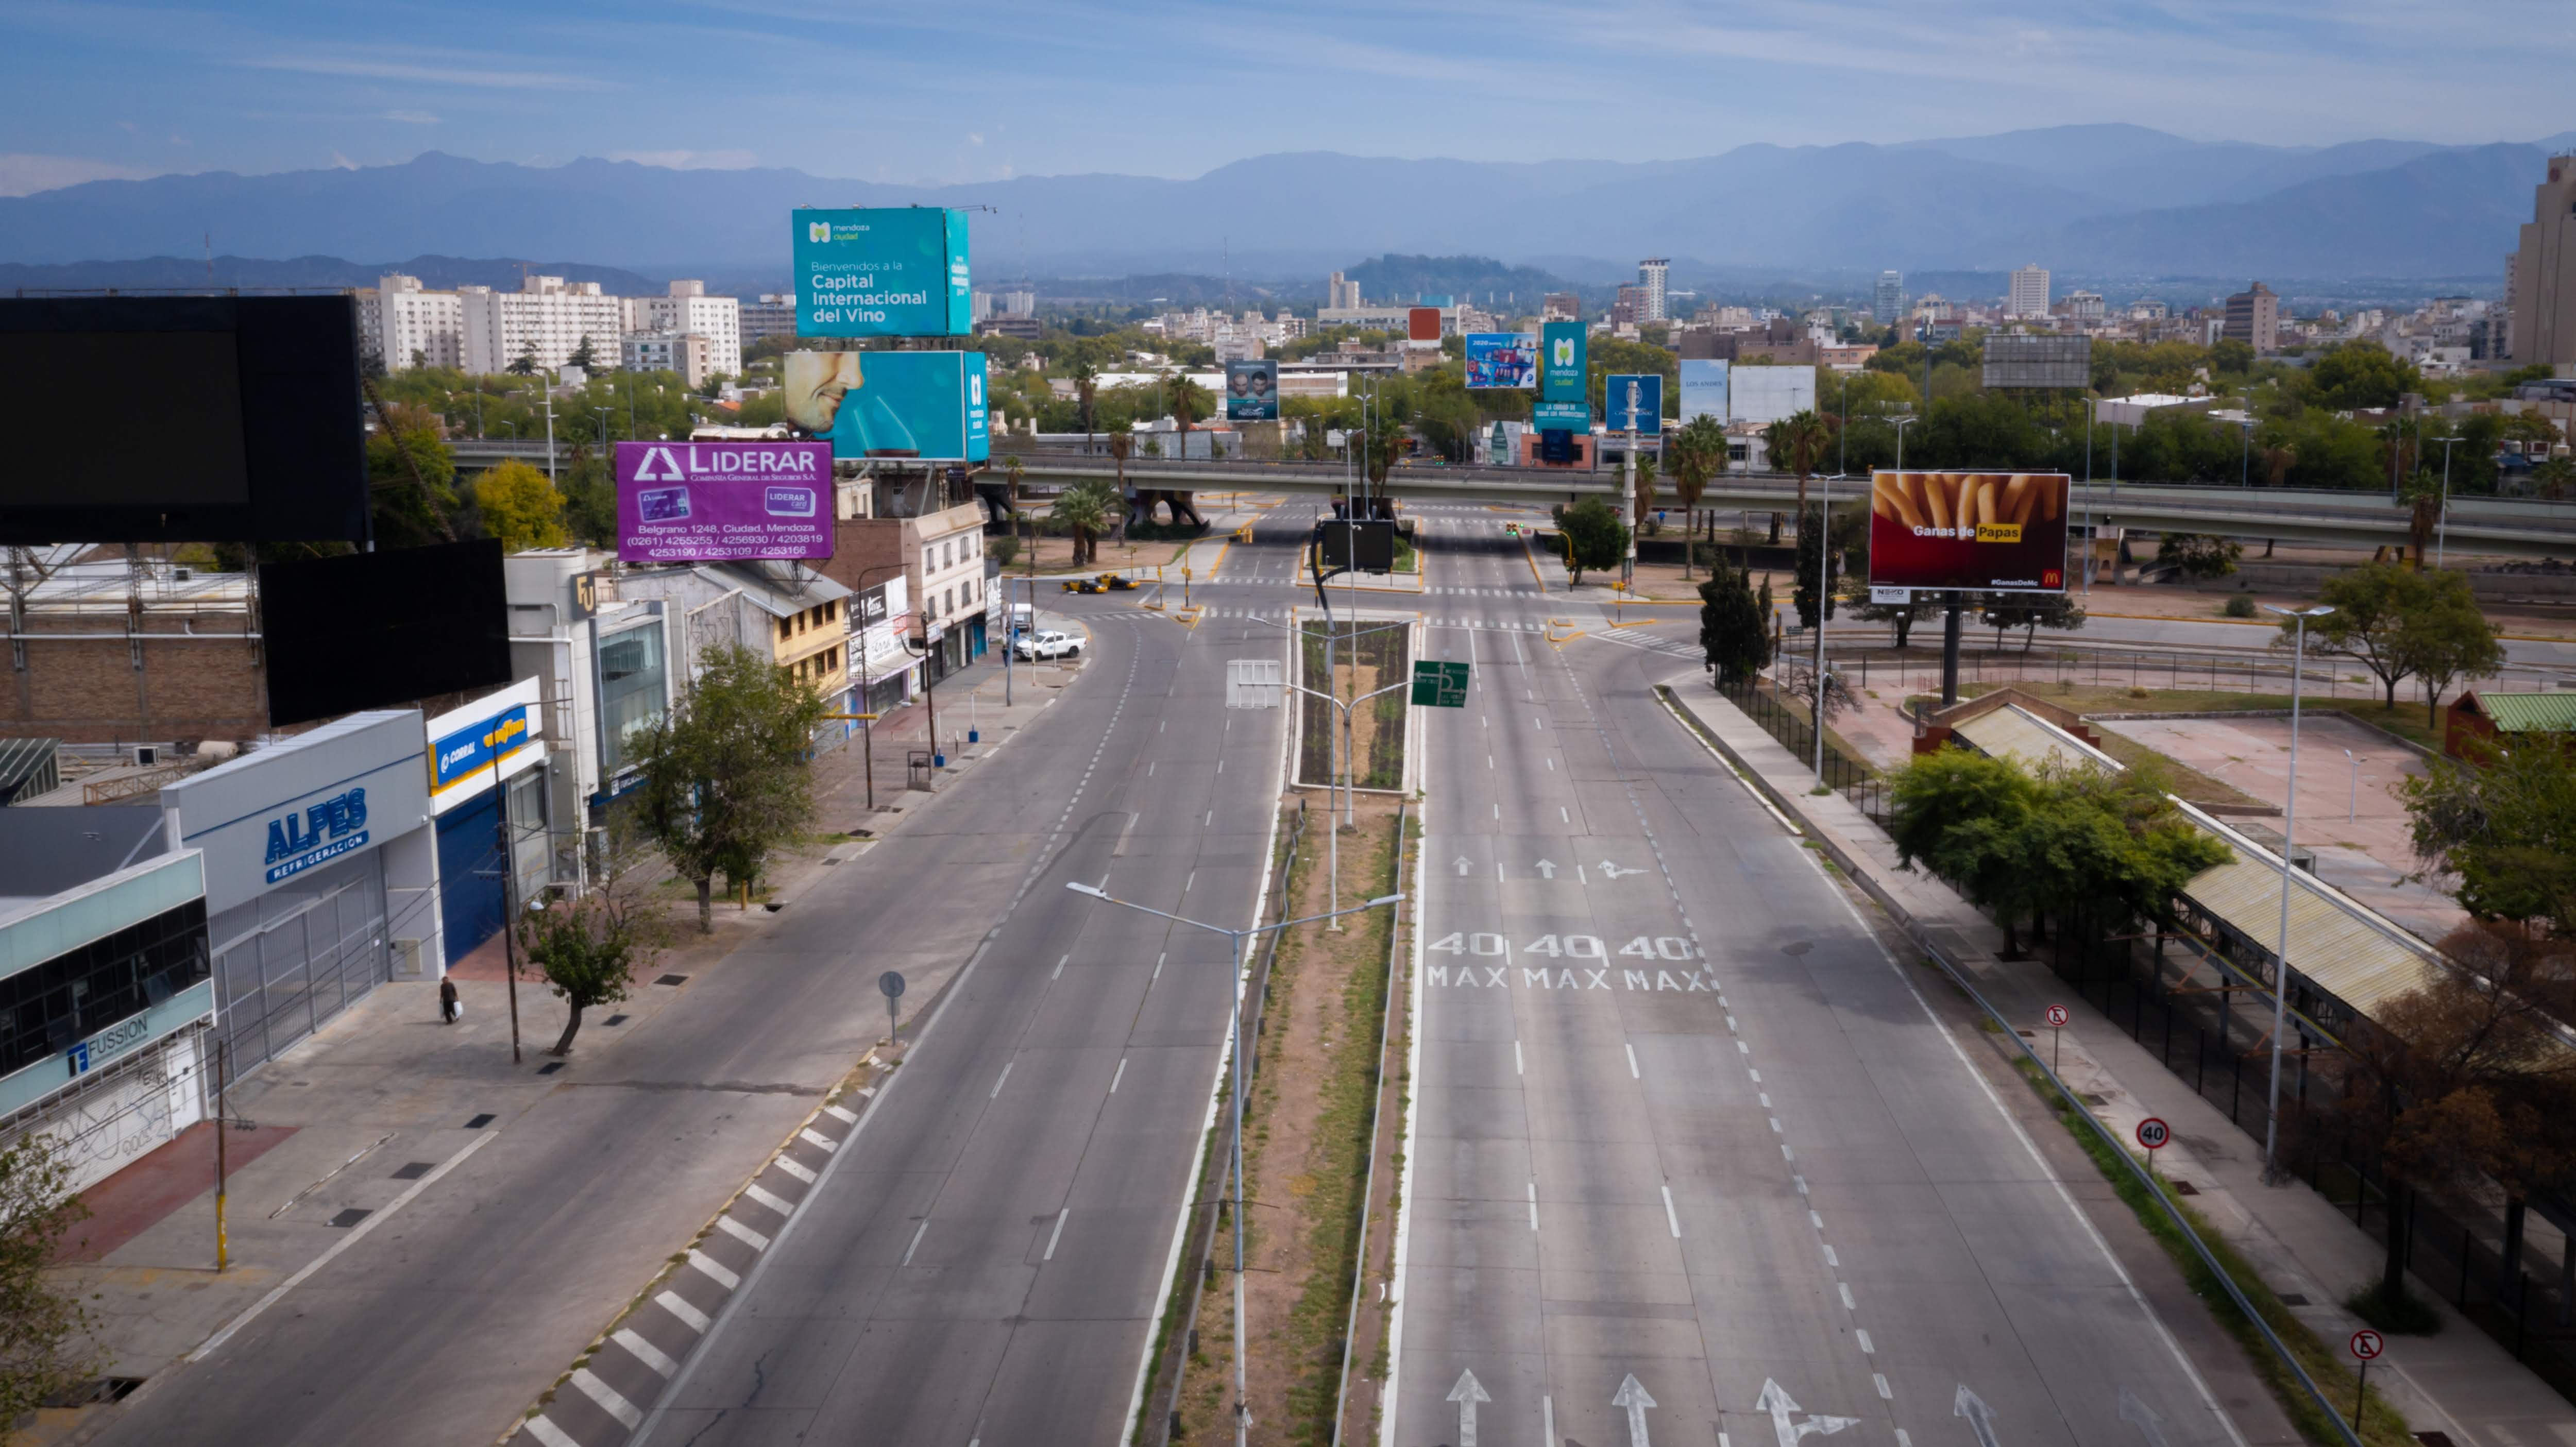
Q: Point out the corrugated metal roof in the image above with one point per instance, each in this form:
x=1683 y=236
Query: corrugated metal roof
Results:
x=2348 y=950
x=2016 y=733
x=2529 y=712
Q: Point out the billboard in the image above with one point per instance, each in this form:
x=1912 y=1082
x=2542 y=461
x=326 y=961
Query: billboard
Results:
x=1422 y=324
x=2001 y=532
x=1633 y=402
x=892 y=272
x=1564 y=374
x=1502 y=359
x=2016 y=361
x=1561 y=416
x=1252 y=391
x=1769 y=394
x=364 y=630
x=891 y=404
x=702 y=502
x=1703 y=389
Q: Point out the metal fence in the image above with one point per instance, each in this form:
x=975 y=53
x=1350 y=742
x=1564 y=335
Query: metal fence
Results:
x=1850 y=777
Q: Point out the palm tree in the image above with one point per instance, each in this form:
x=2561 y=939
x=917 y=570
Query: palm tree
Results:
x=1185 y=395
x=1694 y=454
x=1012 y=474
x=1798 y=444
x=1086 y=388
x=2554 y=479
x=1084 y=510
x=1648 y=463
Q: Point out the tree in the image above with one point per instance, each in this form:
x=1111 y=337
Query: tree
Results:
x=1084 y=509
x=583 y=355
x=1013 y=474
x=2029 y=612
x=1187 y=398
x=590 y=948
x=2444 y=638
x=38 y=1323
x=411 y=473
x=1847 y=531
x=1086 y=390
x=2200 y=555
x=2357 y=375
x=1734 y=622
x=524 y=364
x=1647 y=463
x=2370 y=604
x=2503 y=822
x=725 y=780
x=1594 y=537
x=520 y=507
x=2555 y=478
x=1900 y=618
x=1695 y=454
x=2422 y=495
x=1797 y=444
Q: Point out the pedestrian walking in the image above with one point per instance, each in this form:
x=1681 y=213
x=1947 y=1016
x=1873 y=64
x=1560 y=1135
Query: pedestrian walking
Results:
x=450 y=1009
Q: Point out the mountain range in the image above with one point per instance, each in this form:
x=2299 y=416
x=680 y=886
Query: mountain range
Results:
x=2092 y=200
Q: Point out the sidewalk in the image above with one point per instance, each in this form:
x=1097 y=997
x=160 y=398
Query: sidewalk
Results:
x=2460 y=1381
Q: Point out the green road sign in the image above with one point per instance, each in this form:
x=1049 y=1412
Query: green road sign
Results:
x=1439 y=685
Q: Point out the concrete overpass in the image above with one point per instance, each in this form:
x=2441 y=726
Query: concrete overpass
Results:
x=2520 y=527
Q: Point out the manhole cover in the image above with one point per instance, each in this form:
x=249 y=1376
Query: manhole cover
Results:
x=1799 y=948
x=480 y=1121
x=2292 y=1298
x=671 y=980
x=550 y=1068
x=351 y=1216
x=413 y=1170
x=2186 y=1188
x=614 y=1020
x=94 y=1392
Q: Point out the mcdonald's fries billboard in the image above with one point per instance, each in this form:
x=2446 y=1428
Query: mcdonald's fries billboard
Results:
x=1997 y=532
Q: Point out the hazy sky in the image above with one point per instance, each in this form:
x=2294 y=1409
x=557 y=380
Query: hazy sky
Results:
x=978 y=89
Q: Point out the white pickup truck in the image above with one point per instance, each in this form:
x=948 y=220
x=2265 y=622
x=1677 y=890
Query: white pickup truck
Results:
x=1047 y=645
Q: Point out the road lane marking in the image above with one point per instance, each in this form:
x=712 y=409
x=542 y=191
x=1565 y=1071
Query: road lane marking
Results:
x=610 y=1400
x=1057 y=1234
x=1884 y=1394
x=1533 y=1200
x=1633 y=1072
x=843 y=1116
x=917 y=1233
x=769 y=1199
x=1568 y=818
x=742 y=1233
x=550 y=1434
x=997 y=1080
x=1516 y=1059
x=1845 y=1288
x=793 y=1167
x=356 y=1234
x=644 y=1351
x=1121 y=1075
x=1867 y=1348
x=1831 y=1259
x=689 y=1316
x=817 y=1139
x=1670 y=1219
x=1059 y=969
x=1158 y=964
x=716 y=1271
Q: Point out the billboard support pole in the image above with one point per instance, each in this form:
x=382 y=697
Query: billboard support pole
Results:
x=1628 y=564
x=1950 y=653
x=1824 y=602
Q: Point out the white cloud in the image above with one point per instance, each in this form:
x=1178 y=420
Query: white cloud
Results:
x=733 y=160
x=412 y=118
x=22 y=174
x=343 y=162
x=972 y=136
x=464 y=74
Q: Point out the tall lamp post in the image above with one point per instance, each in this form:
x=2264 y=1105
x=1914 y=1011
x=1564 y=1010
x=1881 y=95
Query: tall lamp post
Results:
x=1234 y=1036
x=2442 y=526
x=2272 y=1173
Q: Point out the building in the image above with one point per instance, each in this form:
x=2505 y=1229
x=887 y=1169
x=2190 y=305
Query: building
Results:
x=1380 y=318
x=106 y=993
x=687 y=353
x=771 y=315
x=2029 y=295
x=1007 y=324
x=2543 y=288
x=1340 y=295
x=1887 y=301
x=129 y=651
x=488 y=762
x=2491 y=718
x=2254 y=318
x=794 y=615
x=1560 y=306
x=1629 y=307
x=404 y=325
x=1653 y=276
x=2082 y=306
x=547 y=319
x=927 y=532
x=687 y=310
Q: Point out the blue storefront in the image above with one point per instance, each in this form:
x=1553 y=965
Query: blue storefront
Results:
x=484 y=758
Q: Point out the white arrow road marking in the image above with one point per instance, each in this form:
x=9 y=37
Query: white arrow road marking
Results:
x=1463 y=866
x=1981 y=1418
x=1547 y=869
x=1612 y=871
x=1633 y=1397
x=2143 y=1417
x=1467 y=1394
x=1783 y=1407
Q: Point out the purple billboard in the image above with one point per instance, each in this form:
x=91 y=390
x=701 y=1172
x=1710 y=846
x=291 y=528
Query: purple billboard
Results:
x=700 y=502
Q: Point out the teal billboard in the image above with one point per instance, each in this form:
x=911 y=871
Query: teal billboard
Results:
x=929 y=405
x=1563 y=372
x=887 y=272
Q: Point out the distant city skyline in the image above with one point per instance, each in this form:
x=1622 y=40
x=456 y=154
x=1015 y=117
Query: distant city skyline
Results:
x=105 y=91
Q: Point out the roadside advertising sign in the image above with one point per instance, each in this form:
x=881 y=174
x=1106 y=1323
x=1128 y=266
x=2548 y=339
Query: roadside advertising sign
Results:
x=1502 y=359
x=1999 y=532
x=1564 y=373
x=927 y=405
x=1561 y=416
x=691 y=502
x=1633 y=402
x=1252 y=391
x=1422 y=324
x=1703 y=389
x=888 y=272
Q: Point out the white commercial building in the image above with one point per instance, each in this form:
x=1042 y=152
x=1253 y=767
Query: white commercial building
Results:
x=689 y=311
x=547 y=319
x=405 y=325
x=2029 y=296
x=1653 y=274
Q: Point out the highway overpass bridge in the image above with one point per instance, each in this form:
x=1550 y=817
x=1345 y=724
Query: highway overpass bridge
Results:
x=2521 y=527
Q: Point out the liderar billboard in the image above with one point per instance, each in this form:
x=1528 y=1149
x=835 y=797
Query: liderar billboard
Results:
x=709 y=502
x=928 y=405
x=882 y=272
x=1995 y=532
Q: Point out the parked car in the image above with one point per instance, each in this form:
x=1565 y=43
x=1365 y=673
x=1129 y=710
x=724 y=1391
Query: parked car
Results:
x=1049 y=644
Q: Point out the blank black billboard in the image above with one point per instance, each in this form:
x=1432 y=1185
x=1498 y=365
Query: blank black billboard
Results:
x=183 y=419
x=1368 y=547
x=369 y=629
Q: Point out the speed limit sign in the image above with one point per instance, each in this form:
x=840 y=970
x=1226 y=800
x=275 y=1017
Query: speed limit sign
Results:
x=2153 y=1133
x=2057 y=1017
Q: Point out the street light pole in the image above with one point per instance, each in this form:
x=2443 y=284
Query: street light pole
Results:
x=2272 y=1173
x=1824 y=600
x=2442 y=527
x=1234 y=1036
